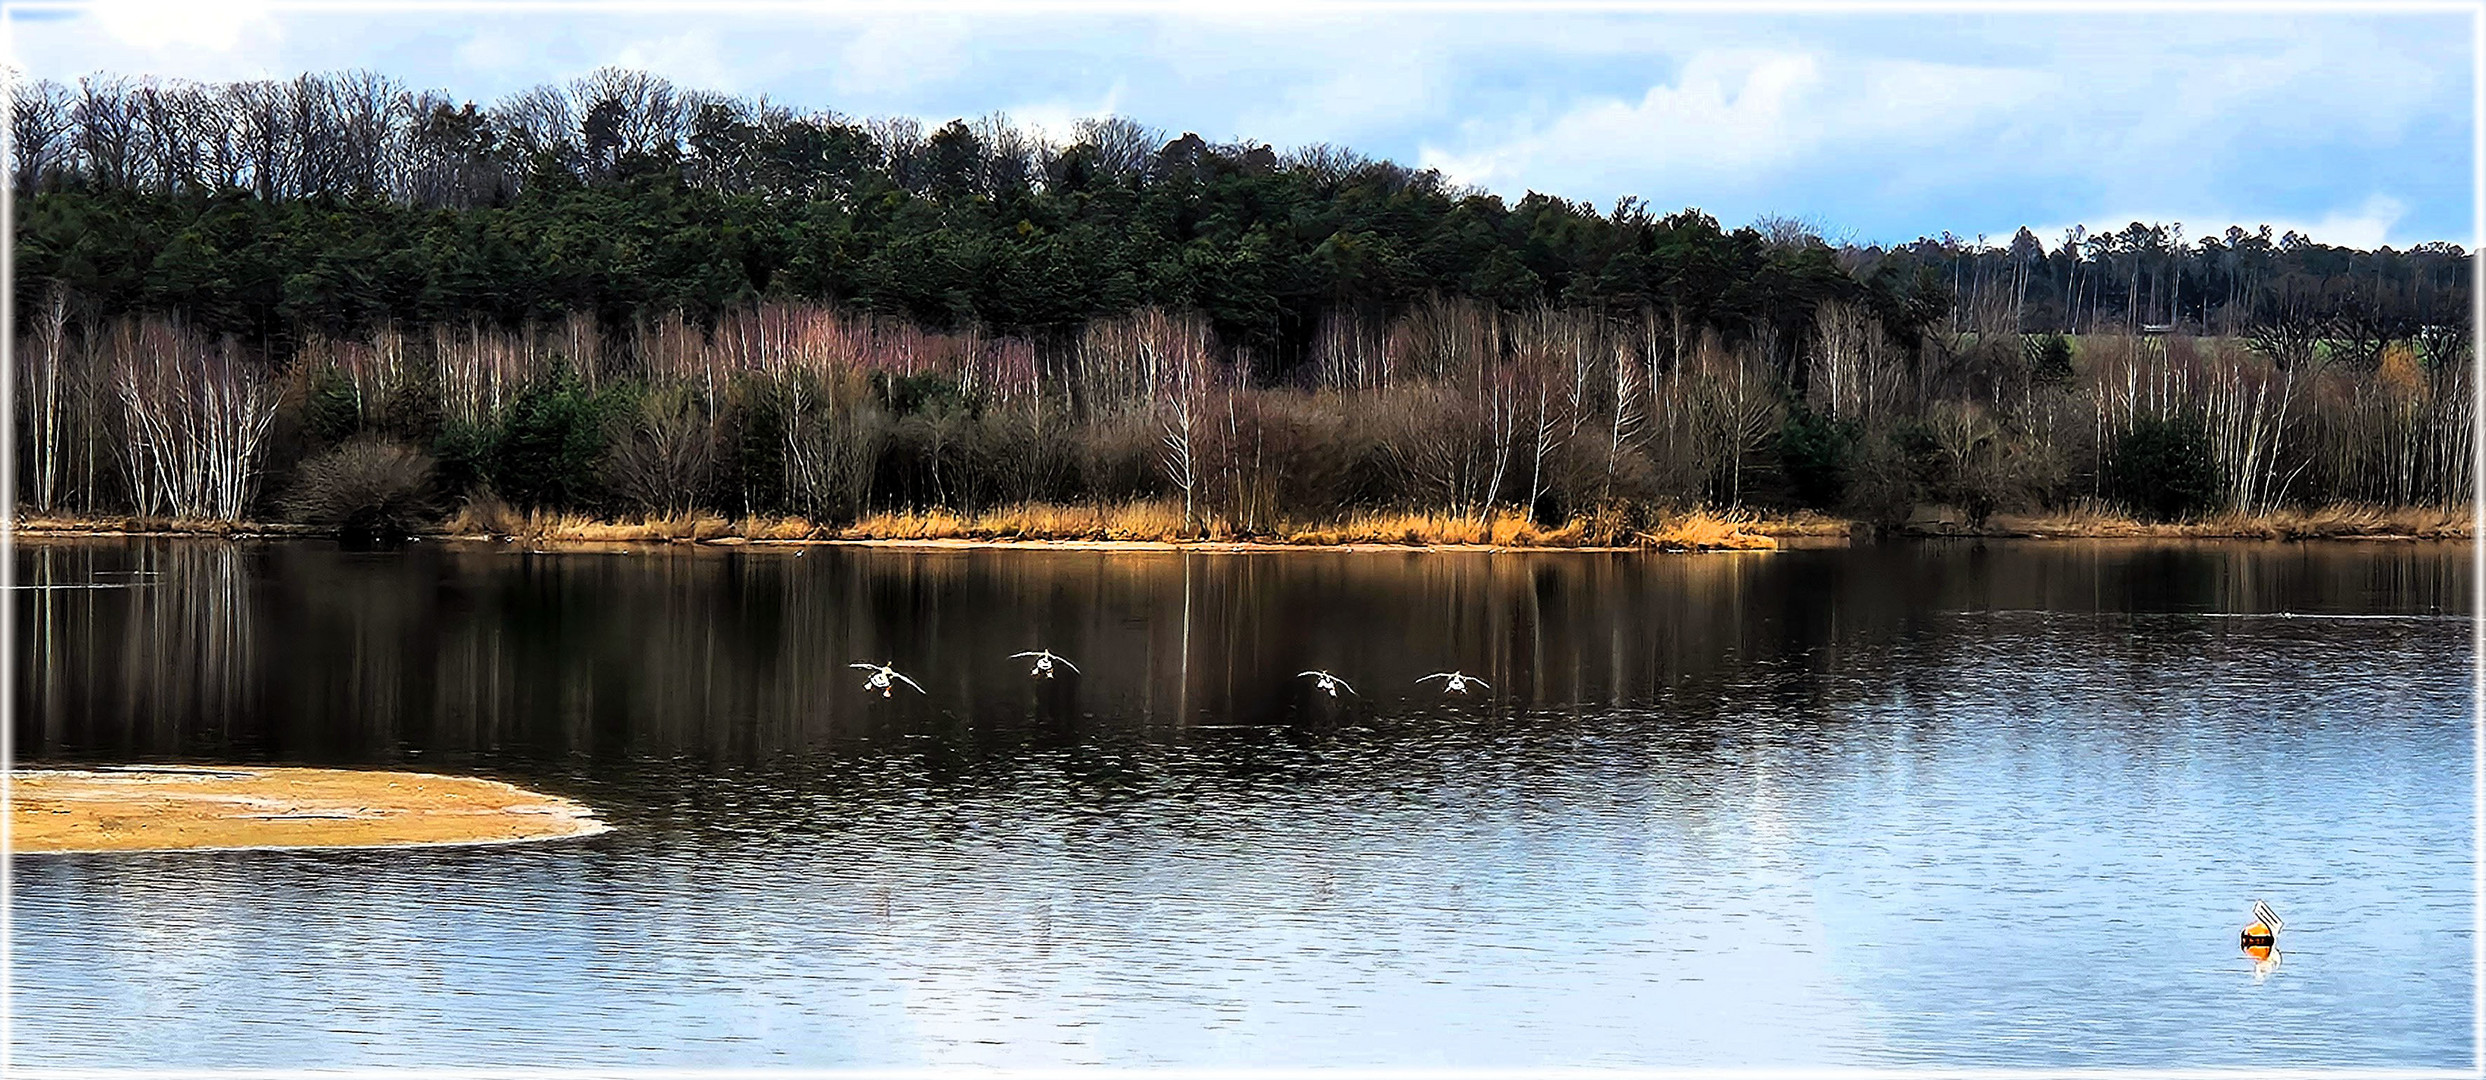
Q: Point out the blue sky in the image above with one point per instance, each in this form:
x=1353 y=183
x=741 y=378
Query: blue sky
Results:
x=1880 y=126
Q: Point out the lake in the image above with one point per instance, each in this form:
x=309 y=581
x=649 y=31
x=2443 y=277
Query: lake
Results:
x=1959 y=803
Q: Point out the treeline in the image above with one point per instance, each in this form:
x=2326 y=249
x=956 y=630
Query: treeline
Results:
x=1456 y=408
x=617 y=295
x=342 y=202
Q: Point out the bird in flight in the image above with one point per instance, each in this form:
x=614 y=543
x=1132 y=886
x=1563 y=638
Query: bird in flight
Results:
x=1322 y=680
x=1458 y=681
x=1044 y=662
x=882 y=674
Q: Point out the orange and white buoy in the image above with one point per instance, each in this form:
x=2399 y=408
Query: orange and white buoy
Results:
x=2261 y=936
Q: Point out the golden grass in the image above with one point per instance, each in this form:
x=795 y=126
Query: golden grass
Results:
x=1708 y=530
x=158 y=809
x=134 y=524
x=1503 y=529
x=485 y=515
x=1799 y=523
x=2335 y=522
x=1161 y=521
x=763 y=527
x=488 y=516
x=1142 y=521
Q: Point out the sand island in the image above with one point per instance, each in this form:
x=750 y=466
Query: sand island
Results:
x=178 y=808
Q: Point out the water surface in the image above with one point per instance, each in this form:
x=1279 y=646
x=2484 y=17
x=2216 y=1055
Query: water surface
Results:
x=1986 y=804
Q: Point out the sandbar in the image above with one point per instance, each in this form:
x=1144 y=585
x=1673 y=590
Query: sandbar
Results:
x=199 y=808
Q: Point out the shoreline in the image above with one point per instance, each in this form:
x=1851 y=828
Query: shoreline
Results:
x=174 y=808
x=1696 y=533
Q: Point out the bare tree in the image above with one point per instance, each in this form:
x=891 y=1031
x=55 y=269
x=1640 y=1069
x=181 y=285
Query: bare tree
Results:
x=1854 y=374
x=40 y=132
x=1176 y=356
x=1739 y=410
x=1123 y=146
x=1623 y=423
x=106 y=134
x=1505 y=387
x=44 y=397
x=539 y=122
x=196 y=418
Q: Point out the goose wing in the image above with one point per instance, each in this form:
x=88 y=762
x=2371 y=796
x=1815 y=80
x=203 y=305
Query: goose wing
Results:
x=1066 y=663
x=866 y=667
x=910 y=682
x=1480 y=682
x=1016 y=655
x=1435 y=675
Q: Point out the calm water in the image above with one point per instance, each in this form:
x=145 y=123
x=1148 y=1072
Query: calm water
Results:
x=1964 y=804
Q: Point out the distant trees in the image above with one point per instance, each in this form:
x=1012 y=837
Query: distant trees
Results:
x=623 y=296
x=781 y=409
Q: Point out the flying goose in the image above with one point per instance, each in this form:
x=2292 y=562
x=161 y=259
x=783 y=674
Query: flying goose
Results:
x=1458 y=681
x=1322 y=680
x=1044 y=662
x=881 y=676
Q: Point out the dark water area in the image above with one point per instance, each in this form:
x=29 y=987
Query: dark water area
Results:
x=1917 y=804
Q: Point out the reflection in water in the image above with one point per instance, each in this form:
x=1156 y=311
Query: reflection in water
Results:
x=1696 y=804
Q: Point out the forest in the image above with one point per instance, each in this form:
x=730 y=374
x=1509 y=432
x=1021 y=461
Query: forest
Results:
x=339 y=300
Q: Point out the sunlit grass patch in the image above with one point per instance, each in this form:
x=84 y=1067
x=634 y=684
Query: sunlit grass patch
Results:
x=2338 y=521
x=1134 y=521
x=764 y=527
x=1421 y=529
x=1709 y=530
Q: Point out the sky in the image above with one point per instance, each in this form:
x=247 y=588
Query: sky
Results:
x=1878 y=126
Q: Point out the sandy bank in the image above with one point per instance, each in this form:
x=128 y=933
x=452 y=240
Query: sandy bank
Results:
x=167 y=808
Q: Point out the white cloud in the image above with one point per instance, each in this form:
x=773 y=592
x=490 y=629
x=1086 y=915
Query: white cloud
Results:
x=494 y=50
x=208 y=40
x=1345 y=101
x=1053 y=120
x=163 y=26
x=691 y=60
x=888 y=57
x=1739 y=116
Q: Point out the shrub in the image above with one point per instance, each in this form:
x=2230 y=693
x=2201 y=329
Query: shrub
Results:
x=550 y=449
x=369 y=487
x=663 y=461
x=1816 y=453
x=928 y=393
x=1888 y=478
x=2050 y=360
x=412 y=411
x=2163 y=468
x=463 y=453
x=331 y=414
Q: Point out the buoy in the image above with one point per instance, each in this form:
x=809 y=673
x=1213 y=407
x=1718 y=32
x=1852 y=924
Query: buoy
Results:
x=2263 y=932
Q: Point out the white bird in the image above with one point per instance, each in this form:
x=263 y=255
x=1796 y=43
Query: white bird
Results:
x=881 y=676
x=1044 y=662
x=1458 y=681
x=1322 y=680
